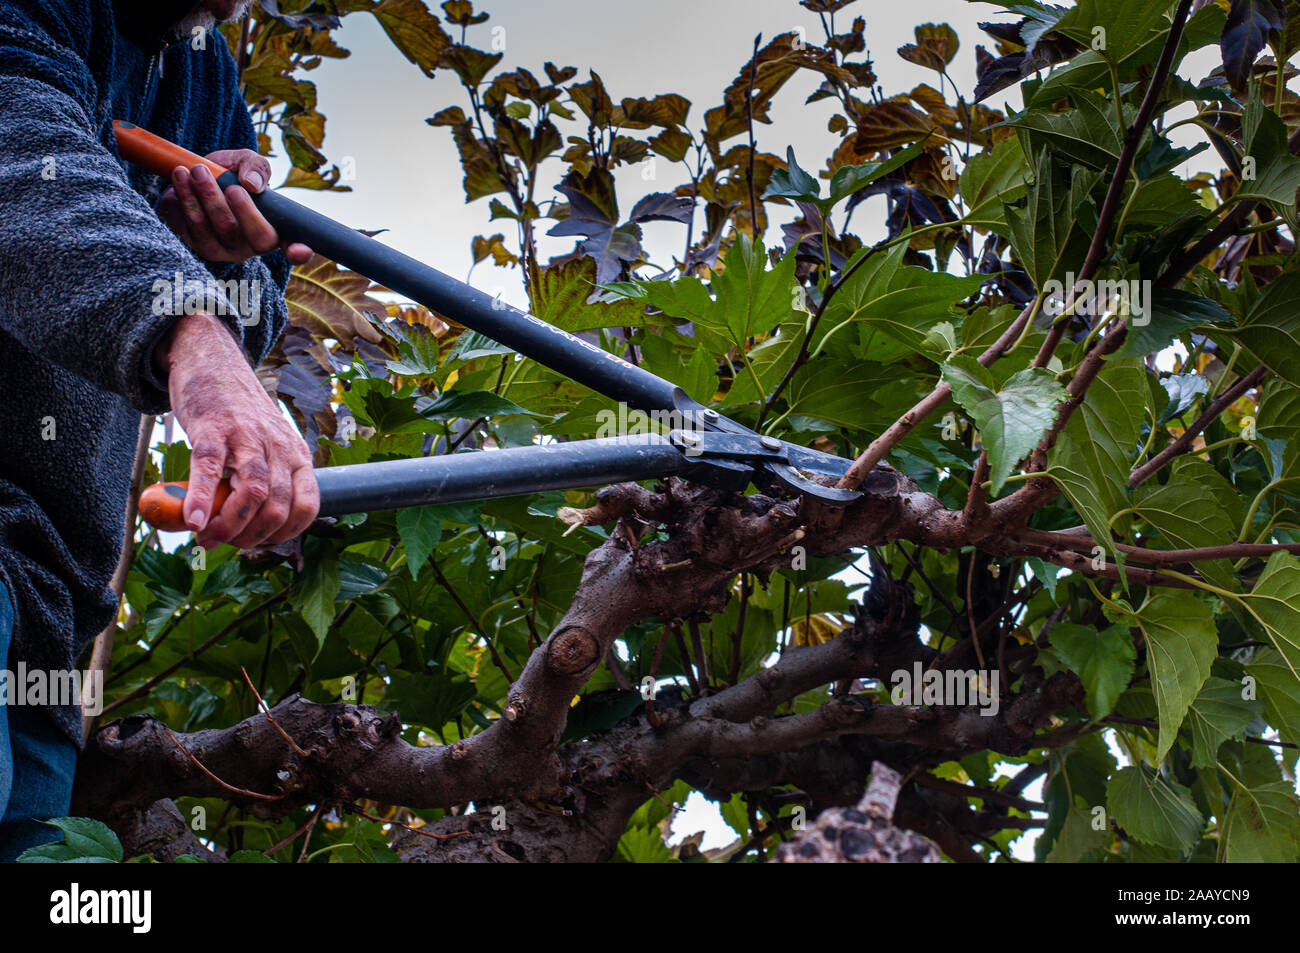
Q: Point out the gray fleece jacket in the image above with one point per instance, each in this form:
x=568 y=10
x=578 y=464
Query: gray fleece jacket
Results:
x=81 y=252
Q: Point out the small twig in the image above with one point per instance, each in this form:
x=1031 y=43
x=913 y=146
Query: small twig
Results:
x=1158 y=557
x=1212 y=412
x=167 y=672
x=229 y=787
x=749 y=122
x=473 y=620
x=687 y=667
x=702 y=661
x=353 y=809
x=739 y=637
x=307 y=826
x=269 y=717
x=1002 y=797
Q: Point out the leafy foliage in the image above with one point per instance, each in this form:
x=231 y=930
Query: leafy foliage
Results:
x=1188 y=666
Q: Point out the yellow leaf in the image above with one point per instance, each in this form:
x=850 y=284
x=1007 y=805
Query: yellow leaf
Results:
x=817 y=630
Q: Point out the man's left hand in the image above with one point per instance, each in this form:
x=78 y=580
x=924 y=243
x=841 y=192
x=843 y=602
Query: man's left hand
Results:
x=224 y=226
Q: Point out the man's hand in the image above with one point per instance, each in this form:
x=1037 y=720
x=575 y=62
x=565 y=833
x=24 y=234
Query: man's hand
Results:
x=225 y=226
x=232 y=424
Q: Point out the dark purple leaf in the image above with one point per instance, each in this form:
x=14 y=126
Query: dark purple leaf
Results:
x=298 y=21
x=662 y=207
x=1245 y=33
x=611 y=249
x=592 y=206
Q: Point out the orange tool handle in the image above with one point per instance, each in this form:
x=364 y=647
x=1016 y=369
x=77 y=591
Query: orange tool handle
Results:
x=163 y=505
x=144 y=149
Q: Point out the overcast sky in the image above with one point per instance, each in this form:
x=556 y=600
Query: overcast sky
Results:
x=407 y=174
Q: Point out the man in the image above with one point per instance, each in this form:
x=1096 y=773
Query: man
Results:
x=90 y=339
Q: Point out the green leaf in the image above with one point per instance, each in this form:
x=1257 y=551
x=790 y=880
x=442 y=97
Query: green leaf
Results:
x=1275 y=603
x=249 y=857
x=1172 y=312
x=1187 y=514
x=750 y=299
x=736 y=814
x=1218 y=713
x=563 y=300
x=85 y=841
x=836 y=391
x=644 y=845
x=315 y=588
x=850 y=178
x=1078 y=837
x=431 y=699
x=1092 y=458
x=420 y=528
x=992 y=180
x=1278 y=688
x=1271 y=331
x=419 y=355
x=1044 y=233
x=1128 y=24
x=1279 y=412
x=792 y=182
x=1183 y=389
x=1153 y=810
x=471 y=405
x=1261 y=826
x=1269 y=173
x=1182 y=641
x=1012 y=419
x=768 y=362
x=1159 y=200
x=900 y=301
x=1087 y=135
x=1103 y=661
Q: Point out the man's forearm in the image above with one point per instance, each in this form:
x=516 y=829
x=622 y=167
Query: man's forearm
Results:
x=196 y=334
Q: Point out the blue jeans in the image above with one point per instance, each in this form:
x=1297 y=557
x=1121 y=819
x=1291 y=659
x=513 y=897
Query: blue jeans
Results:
x=37 y=763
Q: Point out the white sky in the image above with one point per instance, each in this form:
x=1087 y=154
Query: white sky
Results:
x=408 y=179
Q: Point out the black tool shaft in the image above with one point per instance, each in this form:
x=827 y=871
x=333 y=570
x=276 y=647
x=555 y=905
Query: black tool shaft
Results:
x=566 y=353
x=491 y=474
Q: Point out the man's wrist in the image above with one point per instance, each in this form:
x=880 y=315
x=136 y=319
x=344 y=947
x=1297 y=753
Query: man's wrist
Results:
x=193 y=333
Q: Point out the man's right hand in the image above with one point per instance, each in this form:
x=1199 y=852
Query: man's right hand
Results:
x=233 y=425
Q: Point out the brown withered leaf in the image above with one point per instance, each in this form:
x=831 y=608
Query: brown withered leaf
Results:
x=481 y=174
x=824 y=6
x=495 y=245
x=936 y=45
x=889 y=125
x=671 y=144
x=932 y=101
x=414 y=30
x=314 y=179
x=773 y=66
x=665 y=111
x=461 y=13
x=450 y=116
x=469 y=64
x=332 y=303
x=855 y=41
x=312 y=126
x=593 y=99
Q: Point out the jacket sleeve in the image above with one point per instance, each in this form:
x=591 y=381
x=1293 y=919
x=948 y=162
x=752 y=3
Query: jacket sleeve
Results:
x=89 y=276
